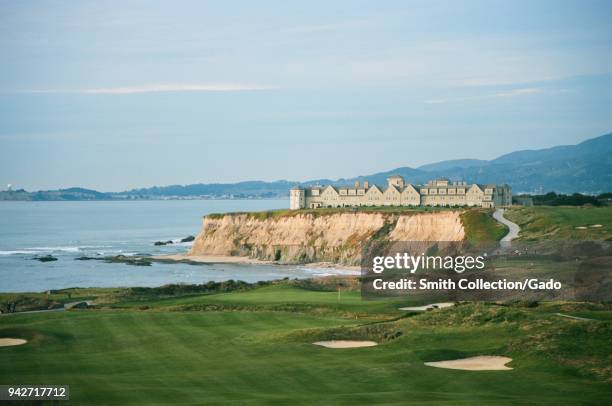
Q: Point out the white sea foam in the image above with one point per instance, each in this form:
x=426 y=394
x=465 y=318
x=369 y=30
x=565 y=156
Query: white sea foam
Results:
x=38 y=250
x=16 y=252
x=55 y=249
x=329 y=271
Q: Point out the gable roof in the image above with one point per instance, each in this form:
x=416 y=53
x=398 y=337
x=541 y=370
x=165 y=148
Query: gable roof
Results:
x=375 y=188
x=325 y=189
x=410 y=189
x=392 y=187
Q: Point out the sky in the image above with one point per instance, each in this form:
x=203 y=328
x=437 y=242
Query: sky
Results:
x=113 y=95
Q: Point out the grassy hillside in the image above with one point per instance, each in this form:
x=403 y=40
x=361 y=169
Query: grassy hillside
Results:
x=480 y=226
x=563 y=223
x=256 y=348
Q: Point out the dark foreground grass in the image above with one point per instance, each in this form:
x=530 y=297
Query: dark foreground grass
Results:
x=252 y=356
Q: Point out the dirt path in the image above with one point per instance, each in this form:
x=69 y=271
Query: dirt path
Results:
x=574 y=317
x=59 y=309
x=513 y=227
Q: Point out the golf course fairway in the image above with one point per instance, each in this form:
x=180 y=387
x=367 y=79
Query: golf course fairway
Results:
x=255 y=347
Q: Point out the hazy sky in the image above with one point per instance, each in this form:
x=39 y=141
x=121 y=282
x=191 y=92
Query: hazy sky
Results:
x=119 y=94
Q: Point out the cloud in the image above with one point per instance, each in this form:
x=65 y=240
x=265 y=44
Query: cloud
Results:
x=509 y=93
x=160 y=88
x=519 y=92
x=337 y=26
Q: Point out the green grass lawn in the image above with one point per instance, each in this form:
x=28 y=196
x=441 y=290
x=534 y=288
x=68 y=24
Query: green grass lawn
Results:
x=283 y=297
x=480 y=226
x=250 y=354
x=560 y=222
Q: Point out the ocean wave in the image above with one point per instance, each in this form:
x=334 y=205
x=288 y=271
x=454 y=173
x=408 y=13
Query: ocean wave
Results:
x=38 y=250
x=16 y=252
x=330 y=271
x=177 y=241
x=55 y=249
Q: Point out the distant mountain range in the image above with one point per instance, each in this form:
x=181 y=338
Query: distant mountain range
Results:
x=584 y=168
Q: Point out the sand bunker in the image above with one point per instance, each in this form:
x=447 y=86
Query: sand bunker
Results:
x=428 y=307
x=596 y=226
x=345 y=344
x=7 y=342
x=581 y=228
x=481 y=363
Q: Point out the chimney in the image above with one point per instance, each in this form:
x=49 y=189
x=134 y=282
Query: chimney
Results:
x=366 y=184
x=356 y=184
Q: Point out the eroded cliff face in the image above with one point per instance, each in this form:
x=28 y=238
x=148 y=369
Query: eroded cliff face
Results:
x=303 y=238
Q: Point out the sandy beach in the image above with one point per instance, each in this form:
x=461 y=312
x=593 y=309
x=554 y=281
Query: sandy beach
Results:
x=225 y=259
x=208 y=259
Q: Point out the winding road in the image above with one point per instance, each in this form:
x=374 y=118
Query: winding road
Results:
x=514 y=228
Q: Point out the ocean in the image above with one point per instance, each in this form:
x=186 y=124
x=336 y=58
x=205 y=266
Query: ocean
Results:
x=68 y=230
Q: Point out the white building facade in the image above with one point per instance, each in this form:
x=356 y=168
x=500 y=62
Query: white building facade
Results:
x=439 y=192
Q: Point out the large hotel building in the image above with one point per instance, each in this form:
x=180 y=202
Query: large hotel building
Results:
x=439 y=192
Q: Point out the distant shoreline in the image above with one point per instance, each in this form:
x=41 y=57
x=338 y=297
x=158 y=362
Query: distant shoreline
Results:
x=144 y=199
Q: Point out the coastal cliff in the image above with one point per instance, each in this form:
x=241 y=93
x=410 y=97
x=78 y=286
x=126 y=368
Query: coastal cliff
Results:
x=310 y=237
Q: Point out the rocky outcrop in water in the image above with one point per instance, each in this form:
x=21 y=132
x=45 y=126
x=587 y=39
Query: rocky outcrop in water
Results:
x=141 y=260
x=45 y=258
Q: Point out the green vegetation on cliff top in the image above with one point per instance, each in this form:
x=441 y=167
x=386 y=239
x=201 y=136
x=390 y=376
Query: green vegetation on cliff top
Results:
x=480 y=226
x=271 y=214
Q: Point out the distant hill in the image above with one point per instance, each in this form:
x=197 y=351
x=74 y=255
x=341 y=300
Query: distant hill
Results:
x=416 y=175
x=258 y=189
x=74 y=193
x=452 y=164
x=585 y=168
